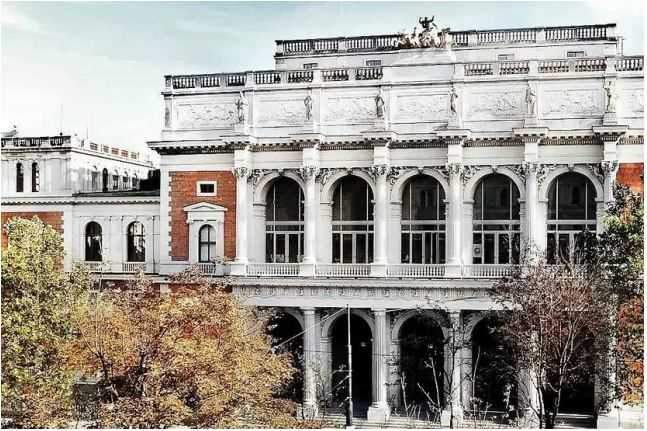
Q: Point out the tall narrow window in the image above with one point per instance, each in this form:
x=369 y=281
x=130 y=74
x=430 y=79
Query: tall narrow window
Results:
x=93 y=242
x=35 y=177
x=284 y=222
x=571 y=213
x=207 y=244
x=423 y=221
x=20 y=177
x=135 y=181
x=126 y=182
x=115 y=181
x=136 y=242
x=496 y=221
x=105 y=180
x=352 y=225
x=94 y=180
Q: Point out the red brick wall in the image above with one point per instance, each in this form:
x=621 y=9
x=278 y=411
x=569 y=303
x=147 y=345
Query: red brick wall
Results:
x=52 y=218
x=183 y=192
x=631 y=174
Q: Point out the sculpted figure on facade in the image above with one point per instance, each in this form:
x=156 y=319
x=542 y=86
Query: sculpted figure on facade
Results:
x=241 y=107
x=307 y=102
x=379 y=104
x=531 y=101
x=167 y=117
x=453 y=98
x=610 y=93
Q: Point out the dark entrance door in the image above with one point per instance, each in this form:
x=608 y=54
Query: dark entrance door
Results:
x=362 y=348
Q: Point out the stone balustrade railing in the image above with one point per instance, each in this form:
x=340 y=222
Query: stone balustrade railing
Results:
x=343 y=270
x=460 y=39
x=66 y=141
x=273 y=269
x=630 y=63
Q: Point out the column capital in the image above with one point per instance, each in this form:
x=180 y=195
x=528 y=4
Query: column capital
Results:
x=380 y=311
x=241 y=172
x=308 y=172
x=380 y=170
x=308 y=310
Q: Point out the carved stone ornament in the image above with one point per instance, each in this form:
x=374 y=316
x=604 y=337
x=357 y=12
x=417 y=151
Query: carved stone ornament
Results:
x=609 y=167
x=256 y=175
x=543 y=171
x=242 y=106
x=531 y=101
x=454 y=169
x=610 y=97
x=379 y=170
x=307 y=103
x=379 y=104
x=469 y=171
x=430 y=36
x=453 y=98
x=240 y=172
x=325 y=174
x=307 y=172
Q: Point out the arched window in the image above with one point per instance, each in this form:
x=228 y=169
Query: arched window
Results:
x=352 y=225
x=284 y=222
x=20 y=177
x=105 y=180
x=94 y=179
x=136 y=242
x=423 y=221
x=207 y=244
x=496 y=221
x=35 y=177
x=115 y=181
x=135 y=181
x=126 y=181
x=93 y=242
x=571 y=212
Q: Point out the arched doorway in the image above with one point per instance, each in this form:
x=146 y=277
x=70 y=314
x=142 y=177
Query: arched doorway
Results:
x=286 y=337
x=493 y=380
x=422 y=366
x=362 y=349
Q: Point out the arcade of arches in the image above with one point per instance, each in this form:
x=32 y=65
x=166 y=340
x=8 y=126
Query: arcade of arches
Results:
x=420 y=359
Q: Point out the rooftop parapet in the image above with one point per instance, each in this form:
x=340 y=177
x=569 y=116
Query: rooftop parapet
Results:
x=68 y=141
x=466 y=38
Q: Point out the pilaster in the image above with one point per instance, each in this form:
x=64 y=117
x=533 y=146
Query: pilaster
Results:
x=242 y=170
x=309 y=348
x=379 y=409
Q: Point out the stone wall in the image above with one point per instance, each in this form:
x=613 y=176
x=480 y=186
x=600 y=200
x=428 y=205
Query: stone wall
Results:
x=183 y=193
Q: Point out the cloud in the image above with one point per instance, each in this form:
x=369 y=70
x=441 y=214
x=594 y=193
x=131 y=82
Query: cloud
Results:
x=11 y=18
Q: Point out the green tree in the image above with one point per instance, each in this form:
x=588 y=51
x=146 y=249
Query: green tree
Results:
x=619 y=260
x=38 y=298
x=192 y=357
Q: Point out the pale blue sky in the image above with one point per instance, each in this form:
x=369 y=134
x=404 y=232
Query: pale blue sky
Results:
x=104 y=62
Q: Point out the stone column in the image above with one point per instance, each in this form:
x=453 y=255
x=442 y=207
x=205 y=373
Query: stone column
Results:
x=379 y=409
x=258 y=229
x=453 y=364
x=309 y=174
x=466 y=376
x=533 y=222
x=310 y=355
x=454 y=217
x=381 y=221
x=325 y=233
x=239 y=266
x=468 y=238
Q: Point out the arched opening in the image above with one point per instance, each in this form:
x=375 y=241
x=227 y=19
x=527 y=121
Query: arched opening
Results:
x=135 y=181
x=207 y=244
x=94 y=179
x=286 y=338
x=20 y=177
x=422 y=366
x=104 y=180
x=493 y=380
x=496 y=221
x=352 y=221
x=423 y=221
x=136 y=242
x=35 y=177
x=284 y=222
x=362 y=349
x=115 y=180
x=126 y=181
x=93 y=242
x=571 y=217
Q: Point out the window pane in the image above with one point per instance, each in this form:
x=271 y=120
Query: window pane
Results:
x=347 y=250
x=416 y=252
x=269 y=247
x=428 y=245
x=336 y=255
x=360 y=248
x=504 y=249
x=294 y=248
x=404 y=252
x=488 y=249
x=280 y=248
x=441 y=248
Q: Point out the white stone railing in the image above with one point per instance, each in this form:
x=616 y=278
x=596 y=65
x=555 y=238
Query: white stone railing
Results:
x=625 y=64
x=208 y=268
x=273 y=269
x=415 y=271
x=133 y=267
x=487 y=271
x=95 y=266
x=343 y=270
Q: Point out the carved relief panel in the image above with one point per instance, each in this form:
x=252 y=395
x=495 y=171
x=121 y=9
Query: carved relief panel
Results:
x=291 y=111
x=500 y=104
x=204 y=115
x=632 y=102
x=421 y=107
x=350 y=109
x=562 y=103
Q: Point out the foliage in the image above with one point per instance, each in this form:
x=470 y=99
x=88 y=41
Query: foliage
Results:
x=619 y=260
x=553 y=316
x=37 y=301
x=193 y=357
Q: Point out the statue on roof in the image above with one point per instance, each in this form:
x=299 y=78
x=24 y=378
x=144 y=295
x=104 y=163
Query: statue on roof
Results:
x=430 y=36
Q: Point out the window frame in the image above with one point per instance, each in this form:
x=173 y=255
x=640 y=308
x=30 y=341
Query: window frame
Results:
x=201 y=193
x=35 y=177
x=209 y=243
x=132 y=238
x=89 y=248
x=20 y=177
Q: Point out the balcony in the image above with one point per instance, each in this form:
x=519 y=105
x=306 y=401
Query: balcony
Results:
x=120 y=268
